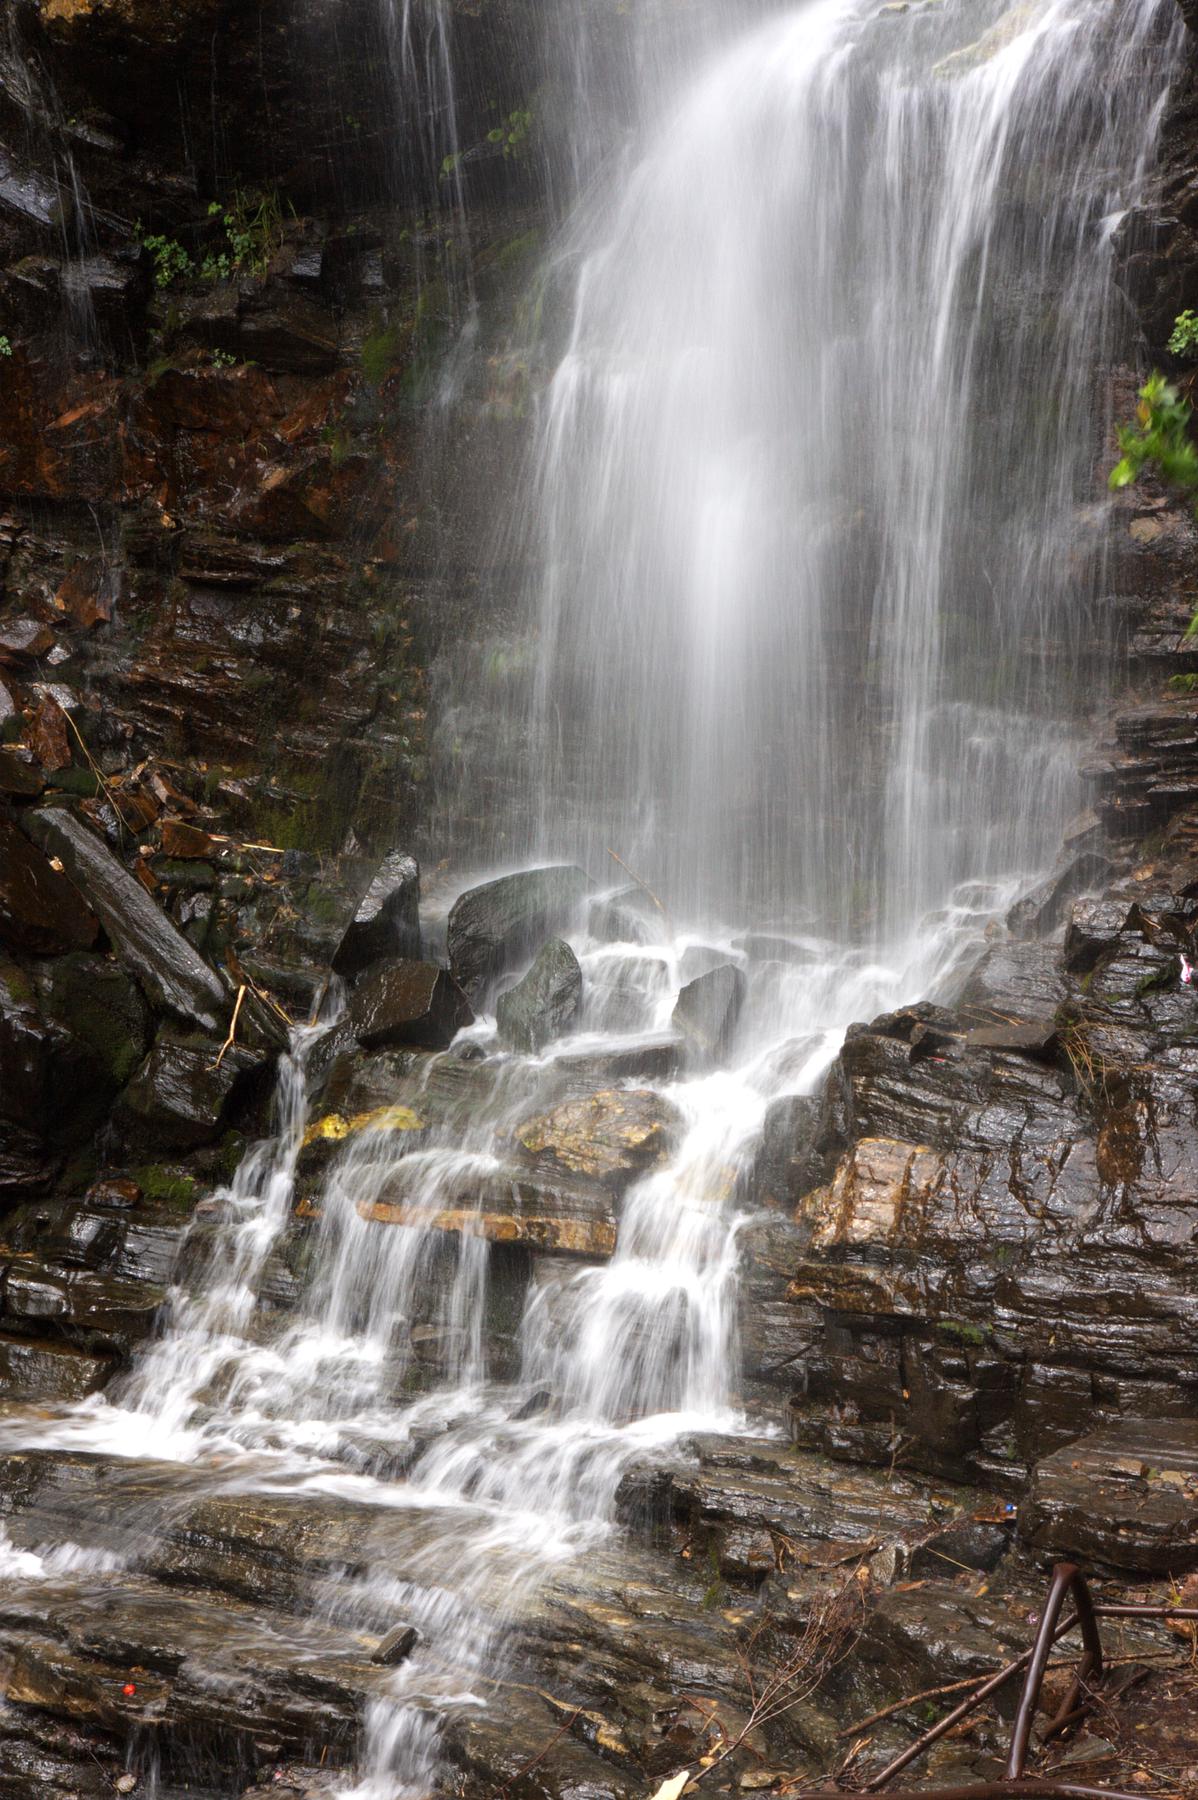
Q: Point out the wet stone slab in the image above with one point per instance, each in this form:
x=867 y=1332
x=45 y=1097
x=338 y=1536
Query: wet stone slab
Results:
x=1126 y=1497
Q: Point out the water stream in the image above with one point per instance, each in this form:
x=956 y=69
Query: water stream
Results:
x=814 y=561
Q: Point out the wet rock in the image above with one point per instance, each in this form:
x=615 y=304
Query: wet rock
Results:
x=386 y=925
x=492 y=928
x=39 y=1372
x=609 y=1137
x=410 y=1003
x=545 y=1003
x=1021 y=977
x=787 y=1164
x=40 y=909
x=172 y=974
x=708 y=1008
x=24 y=640
x=52 y=1088
x=289 y=332
x=625 y=917
x=1126 y=1497
x=653 y=1059
x=1093 y=932
x=1045 y=907
x=542 y=1211
x=180 y=1095
x=99 y=1004
x=19 y=776
x=396 y=1647
x=1023 y=1037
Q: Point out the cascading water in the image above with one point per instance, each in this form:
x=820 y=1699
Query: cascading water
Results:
x=808 y=468
x=803 y=512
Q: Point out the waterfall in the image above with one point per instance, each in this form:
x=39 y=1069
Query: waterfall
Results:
x=813 y=598
x=813 y=586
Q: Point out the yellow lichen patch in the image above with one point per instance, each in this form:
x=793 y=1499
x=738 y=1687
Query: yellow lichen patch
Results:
x=606 y=1136
x=568 y=1236
x=335 y=1126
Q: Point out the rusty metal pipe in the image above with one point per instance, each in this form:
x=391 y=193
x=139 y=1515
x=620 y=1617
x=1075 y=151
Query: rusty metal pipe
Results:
x=1066 y=1578
x=961 y=1711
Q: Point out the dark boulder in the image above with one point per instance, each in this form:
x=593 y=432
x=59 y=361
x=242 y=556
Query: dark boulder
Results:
x=708 y=1007
x=1045 y=907
x=492 y=928
x=397 y=1646
x=180 y=1095
x=1126 y=1497
x=386 y=925
x=171 y=973
x=545 y=1003
x=52 y=1087
x=40 y=911
x=94 y=999
x=410 y=1003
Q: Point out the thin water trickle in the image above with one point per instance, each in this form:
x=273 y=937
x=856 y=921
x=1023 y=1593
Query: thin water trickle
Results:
x=811 y=606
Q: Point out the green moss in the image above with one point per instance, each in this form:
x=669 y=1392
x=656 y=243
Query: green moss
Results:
x=323 y=906
x=961 y=1332
x=380 y=352
x=98 y=1004
x=165 y=1187
x=76 y=781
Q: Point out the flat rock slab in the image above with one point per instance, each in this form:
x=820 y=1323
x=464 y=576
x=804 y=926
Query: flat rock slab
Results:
x=1126 y=1496
x=173 y=975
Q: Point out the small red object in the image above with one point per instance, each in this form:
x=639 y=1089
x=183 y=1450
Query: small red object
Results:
x=128 y=1690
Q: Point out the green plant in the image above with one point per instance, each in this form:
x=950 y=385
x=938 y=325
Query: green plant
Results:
x=1159 y=439
x=170 y=259
x=1183 y=341
x=253 y=227
x=513 y=132
x=223 y=359
x=5 y=345
x=1184 y=684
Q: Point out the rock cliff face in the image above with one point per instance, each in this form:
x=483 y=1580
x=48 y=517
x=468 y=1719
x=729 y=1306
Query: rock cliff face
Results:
x=233 y=246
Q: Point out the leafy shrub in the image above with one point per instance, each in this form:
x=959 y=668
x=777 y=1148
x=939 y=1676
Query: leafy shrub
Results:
x=1184 y=339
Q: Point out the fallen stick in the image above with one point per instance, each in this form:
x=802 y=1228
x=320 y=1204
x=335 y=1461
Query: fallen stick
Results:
x=228 y=1043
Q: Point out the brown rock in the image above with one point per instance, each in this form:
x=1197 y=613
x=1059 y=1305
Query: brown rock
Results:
x=50 y=736
x=186 y=841
x=610 y=1136
x=409 y=1003
x=89 y=591
x=40 y=910
x=23 y=640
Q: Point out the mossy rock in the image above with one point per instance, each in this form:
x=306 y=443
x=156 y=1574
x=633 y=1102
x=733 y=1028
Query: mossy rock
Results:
x=101 y=1006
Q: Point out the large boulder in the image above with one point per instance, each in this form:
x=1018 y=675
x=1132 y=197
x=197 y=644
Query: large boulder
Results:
x=495 y=927
x=101 y=1006
x=386 y=925
x=179 y=1097
x=40 y=911
x=609 y=1137
x=173 y=976
x=707 y=1009
x=1127 y=1496
x=545 y=1003
x=411 y=1003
